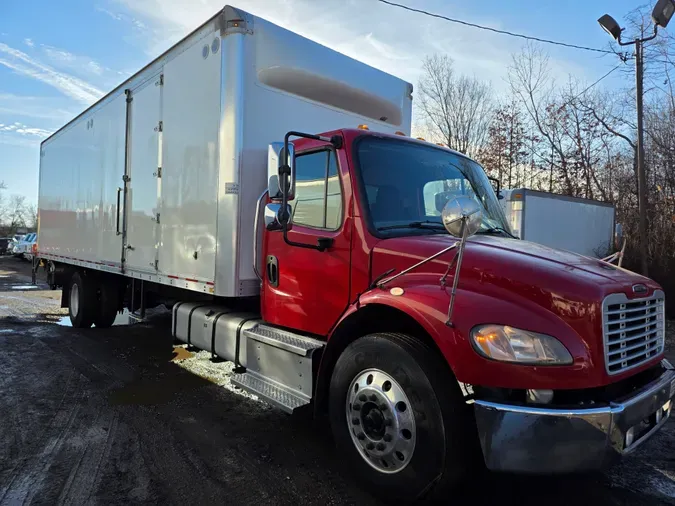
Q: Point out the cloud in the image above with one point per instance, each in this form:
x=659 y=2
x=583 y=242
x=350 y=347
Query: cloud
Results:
x=19 y=134
x=83 y=65
x=29 y=42
x=21 y=129
x=57 y=109
x=67 y=84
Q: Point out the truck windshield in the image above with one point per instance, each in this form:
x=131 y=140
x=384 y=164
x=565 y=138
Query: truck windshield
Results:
x=407 y=185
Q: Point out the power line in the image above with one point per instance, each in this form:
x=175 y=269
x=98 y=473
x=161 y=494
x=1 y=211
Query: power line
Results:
x=590 y=86
x=490 y=29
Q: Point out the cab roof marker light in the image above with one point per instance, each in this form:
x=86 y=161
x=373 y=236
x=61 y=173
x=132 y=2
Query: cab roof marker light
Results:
x=363 y=126
x=398 y=132
x=421 y=139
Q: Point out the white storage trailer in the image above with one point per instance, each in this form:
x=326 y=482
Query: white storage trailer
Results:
x=576 y=224
x=158 y=180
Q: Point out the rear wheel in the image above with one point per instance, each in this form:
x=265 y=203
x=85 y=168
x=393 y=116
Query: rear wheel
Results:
x=82 y=300
x=398 y=416
x=108 y=299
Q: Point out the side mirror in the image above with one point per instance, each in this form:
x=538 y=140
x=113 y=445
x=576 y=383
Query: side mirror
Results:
x=462 y=212
x=275 y=160
x=273 y=218
x=496 y=186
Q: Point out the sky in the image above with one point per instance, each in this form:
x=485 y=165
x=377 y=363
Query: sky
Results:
x=57 y=58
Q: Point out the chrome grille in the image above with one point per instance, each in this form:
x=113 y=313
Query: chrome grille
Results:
x=633 y=330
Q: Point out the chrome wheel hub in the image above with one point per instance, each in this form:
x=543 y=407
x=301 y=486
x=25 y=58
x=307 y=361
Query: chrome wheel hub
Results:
x=74 y=299
x=381 y=421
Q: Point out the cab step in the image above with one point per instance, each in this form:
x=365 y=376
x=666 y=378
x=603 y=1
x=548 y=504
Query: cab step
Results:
x=279 y=366
x=282 y=397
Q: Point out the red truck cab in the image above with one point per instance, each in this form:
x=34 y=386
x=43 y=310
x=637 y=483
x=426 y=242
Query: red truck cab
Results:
x=552 y=361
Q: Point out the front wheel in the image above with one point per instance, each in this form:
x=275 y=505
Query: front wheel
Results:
x=398 y=416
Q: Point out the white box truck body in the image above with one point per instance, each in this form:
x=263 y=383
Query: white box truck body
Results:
x=570 y=223
x=158 y=179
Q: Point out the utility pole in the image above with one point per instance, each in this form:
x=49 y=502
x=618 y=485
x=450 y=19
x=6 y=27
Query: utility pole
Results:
x=641 y=173
x=661 y=15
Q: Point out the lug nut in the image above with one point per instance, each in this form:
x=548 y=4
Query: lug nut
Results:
x=356 y=421
x=373 y=397
x=387 y=437
x=370 y=446
x=361 y=436
x=383 y=407
x=362 y=397
x=387 y=421
x=356 y=407
x=380 y=446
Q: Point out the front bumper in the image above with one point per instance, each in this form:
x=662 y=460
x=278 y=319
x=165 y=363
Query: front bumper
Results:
x=539 y=440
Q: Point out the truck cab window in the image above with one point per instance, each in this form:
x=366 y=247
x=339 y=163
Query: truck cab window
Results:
x=318 y=194
x=411 y=183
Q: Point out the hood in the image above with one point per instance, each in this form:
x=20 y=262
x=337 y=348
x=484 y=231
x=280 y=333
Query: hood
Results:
x=519 y=261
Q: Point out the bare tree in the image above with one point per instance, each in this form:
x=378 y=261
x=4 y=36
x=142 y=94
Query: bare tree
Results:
x=455 y=108
x=16 y=213
x=31 y=216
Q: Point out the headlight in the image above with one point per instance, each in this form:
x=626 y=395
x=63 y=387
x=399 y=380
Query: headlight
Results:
x=509 y=344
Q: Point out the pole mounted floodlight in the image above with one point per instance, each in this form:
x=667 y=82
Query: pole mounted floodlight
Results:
x=609 y=24
x=663 y=11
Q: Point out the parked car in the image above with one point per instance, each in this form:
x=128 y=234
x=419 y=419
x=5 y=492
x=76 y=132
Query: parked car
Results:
x=6 y=245
x=24 y=248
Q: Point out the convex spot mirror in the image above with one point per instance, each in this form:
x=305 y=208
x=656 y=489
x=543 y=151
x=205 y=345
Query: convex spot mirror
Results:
x=462 y=210
x=275 y=160
x=273 y=216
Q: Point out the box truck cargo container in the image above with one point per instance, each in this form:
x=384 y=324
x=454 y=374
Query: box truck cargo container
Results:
x=584 y=226
x=352 y=270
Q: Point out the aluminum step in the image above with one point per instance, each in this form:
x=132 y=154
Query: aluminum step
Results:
x=270 y=391
x=296 y=344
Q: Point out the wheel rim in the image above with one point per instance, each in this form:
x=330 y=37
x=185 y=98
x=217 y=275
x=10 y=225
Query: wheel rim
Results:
x=74 y=299
x=381 y=421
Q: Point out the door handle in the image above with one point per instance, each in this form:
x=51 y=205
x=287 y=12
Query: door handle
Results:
x=117 y=226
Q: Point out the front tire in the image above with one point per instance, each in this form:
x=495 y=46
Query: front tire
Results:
x=399 y=418
x=82 y=300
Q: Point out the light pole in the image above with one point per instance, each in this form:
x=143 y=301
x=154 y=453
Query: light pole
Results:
x=661 y=15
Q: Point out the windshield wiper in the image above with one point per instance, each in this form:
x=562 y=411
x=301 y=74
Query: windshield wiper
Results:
x=432 y=225
x=496 y=230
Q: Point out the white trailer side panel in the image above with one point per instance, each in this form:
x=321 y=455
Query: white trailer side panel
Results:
x=79 y=177
x=229 y=89
x=583 y=227
x=189 y=183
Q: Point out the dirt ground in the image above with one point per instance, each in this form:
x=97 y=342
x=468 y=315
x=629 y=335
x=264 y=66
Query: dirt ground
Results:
x=122 y=416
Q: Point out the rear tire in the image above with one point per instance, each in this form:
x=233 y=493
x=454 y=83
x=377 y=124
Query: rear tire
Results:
x=399 y=419
x=81 y=300
x=108 y=299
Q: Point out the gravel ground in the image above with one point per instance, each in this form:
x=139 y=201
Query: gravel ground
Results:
x=121 y=415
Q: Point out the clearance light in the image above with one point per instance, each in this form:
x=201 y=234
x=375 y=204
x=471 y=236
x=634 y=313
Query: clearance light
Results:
x=398 y=132
x=363 y=126
x=440 y=144
x=517 y=196
x=421 y=139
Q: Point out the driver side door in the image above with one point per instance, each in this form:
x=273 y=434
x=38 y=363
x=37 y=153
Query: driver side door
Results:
x=306 y=289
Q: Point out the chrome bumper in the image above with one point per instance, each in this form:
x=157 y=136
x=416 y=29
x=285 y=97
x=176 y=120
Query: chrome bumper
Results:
x=537 y=440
